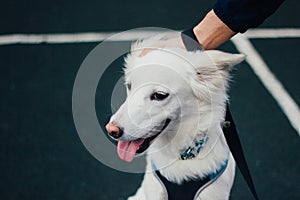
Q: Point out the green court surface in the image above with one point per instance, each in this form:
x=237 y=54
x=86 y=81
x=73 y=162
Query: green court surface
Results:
x=41 y=155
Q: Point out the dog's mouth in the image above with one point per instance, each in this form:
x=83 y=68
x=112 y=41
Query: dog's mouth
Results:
x=128 y=149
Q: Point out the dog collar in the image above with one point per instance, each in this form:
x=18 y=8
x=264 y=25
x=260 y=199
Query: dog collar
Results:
x=193 y=150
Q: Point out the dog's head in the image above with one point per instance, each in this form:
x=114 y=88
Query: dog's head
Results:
x=166 y=87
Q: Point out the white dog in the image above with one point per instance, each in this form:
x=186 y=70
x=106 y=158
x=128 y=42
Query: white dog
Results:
x=174 y=109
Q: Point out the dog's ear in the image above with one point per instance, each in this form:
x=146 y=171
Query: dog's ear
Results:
x=213 y=74
x=225 y=61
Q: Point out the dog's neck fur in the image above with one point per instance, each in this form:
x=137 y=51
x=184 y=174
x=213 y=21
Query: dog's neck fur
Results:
x=210 y=159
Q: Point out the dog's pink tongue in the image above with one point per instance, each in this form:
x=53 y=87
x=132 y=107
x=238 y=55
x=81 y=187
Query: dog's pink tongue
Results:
x=127 y=149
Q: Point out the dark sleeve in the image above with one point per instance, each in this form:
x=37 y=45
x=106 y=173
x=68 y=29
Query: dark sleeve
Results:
x=240 y=15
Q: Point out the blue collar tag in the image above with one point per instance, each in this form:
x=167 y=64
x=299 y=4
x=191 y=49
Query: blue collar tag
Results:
x=194 y=149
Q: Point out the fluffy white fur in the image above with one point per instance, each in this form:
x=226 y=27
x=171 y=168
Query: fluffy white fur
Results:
x=197 y=84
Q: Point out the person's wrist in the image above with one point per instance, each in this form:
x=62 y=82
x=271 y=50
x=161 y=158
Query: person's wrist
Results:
x=211 y=32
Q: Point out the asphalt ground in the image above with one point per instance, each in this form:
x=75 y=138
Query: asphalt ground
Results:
x=41 y=155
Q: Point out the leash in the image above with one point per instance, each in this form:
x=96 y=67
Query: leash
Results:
x=235 y=146
x=229 y=129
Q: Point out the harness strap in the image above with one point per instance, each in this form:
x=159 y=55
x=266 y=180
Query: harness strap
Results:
x=230 y=132
x=187 y=190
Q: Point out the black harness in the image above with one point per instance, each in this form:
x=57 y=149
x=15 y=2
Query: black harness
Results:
x=187 y=190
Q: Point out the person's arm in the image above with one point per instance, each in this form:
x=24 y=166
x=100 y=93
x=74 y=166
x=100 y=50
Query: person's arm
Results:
x=211 y=32
x=229 y=17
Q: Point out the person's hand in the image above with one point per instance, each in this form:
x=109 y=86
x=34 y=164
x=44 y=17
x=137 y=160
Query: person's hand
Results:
x=211 y=32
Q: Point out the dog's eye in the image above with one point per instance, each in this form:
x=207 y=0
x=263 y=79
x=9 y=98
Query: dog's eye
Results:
x=128 y=85
x=159 y=96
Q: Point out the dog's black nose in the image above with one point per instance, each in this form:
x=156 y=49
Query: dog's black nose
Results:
x=116 y=134
x=113 y=130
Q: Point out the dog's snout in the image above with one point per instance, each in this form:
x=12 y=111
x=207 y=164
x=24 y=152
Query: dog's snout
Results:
x=113 y=130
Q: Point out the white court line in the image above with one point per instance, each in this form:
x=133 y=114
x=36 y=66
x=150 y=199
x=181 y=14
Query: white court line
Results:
x=52 y=38
x=62 y=38
x=273 y=33
x=272 y=84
